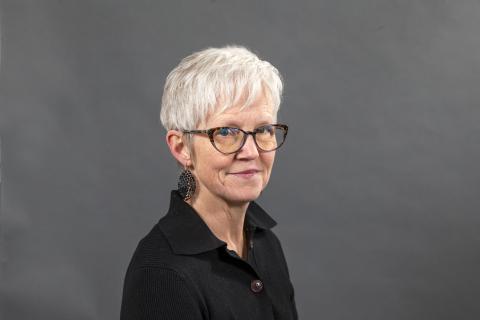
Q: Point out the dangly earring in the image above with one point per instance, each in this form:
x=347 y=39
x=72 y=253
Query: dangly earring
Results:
x=186 y=184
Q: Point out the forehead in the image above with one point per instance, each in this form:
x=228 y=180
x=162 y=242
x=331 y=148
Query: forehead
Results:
x=261 y=110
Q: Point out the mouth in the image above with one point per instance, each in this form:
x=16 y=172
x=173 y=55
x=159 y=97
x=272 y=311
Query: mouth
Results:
x=246 y=173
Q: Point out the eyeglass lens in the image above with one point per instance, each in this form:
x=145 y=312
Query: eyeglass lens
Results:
x=268 y=138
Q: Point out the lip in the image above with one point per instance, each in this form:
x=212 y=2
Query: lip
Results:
x=248 y=171
x=246 y=174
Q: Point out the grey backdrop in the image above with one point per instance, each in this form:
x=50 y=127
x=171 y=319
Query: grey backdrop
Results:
x=377 y=190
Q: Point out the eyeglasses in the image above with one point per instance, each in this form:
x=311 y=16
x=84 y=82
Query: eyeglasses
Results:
x=228 y=140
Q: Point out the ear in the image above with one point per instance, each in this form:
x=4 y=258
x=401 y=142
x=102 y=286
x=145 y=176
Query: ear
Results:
x=178 y=148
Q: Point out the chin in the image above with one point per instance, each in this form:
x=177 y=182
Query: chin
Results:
x=242 y=195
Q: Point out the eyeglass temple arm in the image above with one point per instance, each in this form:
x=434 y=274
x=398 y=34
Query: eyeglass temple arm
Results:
x=195 y=131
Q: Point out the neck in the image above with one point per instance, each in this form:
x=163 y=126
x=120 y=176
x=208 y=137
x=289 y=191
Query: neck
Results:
x=224 y=219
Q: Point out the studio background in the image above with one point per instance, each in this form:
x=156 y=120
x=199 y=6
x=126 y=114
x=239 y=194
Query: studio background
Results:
x=376 y=191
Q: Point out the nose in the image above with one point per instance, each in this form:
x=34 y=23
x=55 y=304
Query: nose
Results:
x=249 y=149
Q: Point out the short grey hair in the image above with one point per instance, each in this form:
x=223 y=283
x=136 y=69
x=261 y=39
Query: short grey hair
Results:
x=214 y=79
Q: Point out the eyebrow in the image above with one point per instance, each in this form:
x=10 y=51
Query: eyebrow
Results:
x=237 y=125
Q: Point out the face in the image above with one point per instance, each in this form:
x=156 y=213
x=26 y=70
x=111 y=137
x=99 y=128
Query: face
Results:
x=239 y=177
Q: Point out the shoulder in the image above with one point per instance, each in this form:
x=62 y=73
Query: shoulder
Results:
x=156 y=286
x=154 y=251
x=160 y=292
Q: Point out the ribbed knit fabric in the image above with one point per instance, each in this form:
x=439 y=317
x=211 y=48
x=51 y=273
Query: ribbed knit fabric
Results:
x=159 y=293
x=180 y=270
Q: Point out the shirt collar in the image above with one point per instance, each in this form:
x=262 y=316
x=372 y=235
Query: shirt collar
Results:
x=188 y=234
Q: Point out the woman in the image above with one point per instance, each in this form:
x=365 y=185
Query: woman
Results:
x=213 y=255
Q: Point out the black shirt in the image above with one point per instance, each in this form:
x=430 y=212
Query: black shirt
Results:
x=180 y=270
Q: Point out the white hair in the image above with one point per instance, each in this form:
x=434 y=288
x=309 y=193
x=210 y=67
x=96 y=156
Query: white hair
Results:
x=214 y=79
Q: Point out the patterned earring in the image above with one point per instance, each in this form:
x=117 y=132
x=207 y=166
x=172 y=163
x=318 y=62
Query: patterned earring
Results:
x=186 y=184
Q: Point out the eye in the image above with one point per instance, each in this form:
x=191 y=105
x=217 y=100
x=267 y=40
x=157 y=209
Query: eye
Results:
x=223 y=131
x=226 y=131
x=266 y=129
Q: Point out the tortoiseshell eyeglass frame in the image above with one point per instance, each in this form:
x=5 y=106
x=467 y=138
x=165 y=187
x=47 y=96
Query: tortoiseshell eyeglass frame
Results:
x=211 y=131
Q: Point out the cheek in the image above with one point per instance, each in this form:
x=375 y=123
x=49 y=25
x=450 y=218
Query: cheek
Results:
x=211 y=165
x=268 y=160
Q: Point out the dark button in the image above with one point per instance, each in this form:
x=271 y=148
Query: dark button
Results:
x=256 y=285
x=233 y=254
